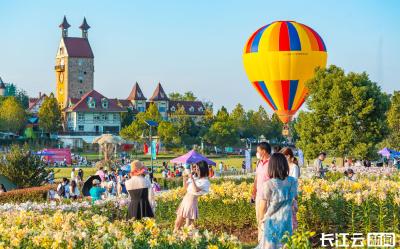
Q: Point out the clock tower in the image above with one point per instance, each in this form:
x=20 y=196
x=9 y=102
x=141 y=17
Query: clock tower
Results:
x=74 y=65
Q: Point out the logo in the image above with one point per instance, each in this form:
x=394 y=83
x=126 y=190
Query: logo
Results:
x=347 y=240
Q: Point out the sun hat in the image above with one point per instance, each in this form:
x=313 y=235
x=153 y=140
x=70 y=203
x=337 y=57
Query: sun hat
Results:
x=137 y=168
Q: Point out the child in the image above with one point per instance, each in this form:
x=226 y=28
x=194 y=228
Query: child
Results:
x=278 y=194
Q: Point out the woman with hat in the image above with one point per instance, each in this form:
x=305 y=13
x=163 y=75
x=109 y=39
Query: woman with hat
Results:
x=140 y=192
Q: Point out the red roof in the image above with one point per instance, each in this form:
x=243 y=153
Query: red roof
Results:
x=136 y=93
x=159 y=94
x=83 y=104
x=34 y=101
x=78 y=47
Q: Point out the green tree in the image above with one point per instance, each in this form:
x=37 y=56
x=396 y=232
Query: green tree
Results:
x=187 y=96
x=275 y=129
x=168 y=134
x=12 y=115
x=393 y=118
x=50 y=115
x=346 y=115
x=259 y=123
x=23 y=168
x=222 y=132
x=138 y=129
x=238 y=119
x=127 y=118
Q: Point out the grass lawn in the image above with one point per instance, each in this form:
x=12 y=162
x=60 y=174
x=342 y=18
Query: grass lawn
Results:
x=230 y=161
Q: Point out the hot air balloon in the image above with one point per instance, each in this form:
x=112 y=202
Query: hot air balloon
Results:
x=279 y=58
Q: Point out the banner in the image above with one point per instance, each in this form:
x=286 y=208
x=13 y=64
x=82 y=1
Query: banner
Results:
x=248 y=160
x=58 y=155
x=154 y=149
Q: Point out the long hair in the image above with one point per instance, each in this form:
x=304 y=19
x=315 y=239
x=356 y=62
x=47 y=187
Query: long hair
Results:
x=278 y=166
x=203 y=168
x=73 y=185
x=289 y=152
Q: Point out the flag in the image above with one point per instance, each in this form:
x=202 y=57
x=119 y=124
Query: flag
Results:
x=145 y=148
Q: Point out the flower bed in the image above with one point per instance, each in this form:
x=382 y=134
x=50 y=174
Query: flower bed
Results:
x=324 y=206
x=21 y=229
x=38 y=194
x=347 y=206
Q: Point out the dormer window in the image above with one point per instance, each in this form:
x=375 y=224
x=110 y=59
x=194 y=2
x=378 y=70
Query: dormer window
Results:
x=173 y=109
x=91 y=102
x=162 y=95
x=191 y=109
x=200 y=109
x=104 y=103
x=139 y=94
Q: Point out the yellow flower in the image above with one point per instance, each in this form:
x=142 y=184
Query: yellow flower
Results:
x=212 y=247
x=153 y=243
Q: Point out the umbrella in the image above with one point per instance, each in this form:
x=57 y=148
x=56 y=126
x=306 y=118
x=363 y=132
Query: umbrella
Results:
x=108 y=139
x=192 y=157
x=89 y=184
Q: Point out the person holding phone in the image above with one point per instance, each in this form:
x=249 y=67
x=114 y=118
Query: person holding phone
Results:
x=197 y=185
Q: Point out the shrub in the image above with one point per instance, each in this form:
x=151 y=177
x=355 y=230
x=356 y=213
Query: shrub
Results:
x=23 y=168
x=35 y=194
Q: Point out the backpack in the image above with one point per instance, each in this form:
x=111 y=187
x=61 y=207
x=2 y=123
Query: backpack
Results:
x=61 y=191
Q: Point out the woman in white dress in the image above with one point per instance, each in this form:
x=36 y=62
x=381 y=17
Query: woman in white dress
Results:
x=196 y=186
x=294 y=171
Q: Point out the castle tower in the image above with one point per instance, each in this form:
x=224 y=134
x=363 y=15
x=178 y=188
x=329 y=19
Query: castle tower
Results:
x=2 y=88
x=161 y=100
x=137 y=98
x=74 y=65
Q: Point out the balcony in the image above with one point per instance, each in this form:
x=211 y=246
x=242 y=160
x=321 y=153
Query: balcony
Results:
x=60 y=68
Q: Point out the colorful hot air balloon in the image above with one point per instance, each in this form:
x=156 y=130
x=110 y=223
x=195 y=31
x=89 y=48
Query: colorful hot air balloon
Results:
x=279 y=58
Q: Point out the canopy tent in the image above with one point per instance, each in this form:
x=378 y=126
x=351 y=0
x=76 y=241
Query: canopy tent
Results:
x=7 y=183
x=192 y=157
x=386 y=152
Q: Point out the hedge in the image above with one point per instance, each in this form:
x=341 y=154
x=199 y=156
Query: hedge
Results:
x=37 y=194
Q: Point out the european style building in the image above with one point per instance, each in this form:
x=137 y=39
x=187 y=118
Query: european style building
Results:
x=88 y=113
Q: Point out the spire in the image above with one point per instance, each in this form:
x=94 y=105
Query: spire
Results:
x=64 y=27
x=159 y=94
x=136 y=93
x=84 y=27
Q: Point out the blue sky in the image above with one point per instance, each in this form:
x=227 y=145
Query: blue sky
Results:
x=190 y=45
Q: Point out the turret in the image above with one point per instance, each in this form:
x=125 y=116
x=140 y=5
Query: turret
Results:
x=64 y=27
x=84 y=27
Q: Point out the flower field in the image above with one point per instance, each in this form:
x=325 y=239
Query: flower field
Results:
x=28 y=229
x=371 y=204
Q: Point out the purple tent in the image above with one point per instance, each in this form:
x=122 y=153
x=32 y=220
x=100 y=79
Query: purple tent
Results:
x=389 y=153
x=192 y=157
x=384 y=152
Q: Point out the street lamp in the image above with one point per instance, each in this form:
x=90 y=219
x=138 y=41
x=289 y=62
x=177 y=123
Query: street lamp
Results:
x=151 y=123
